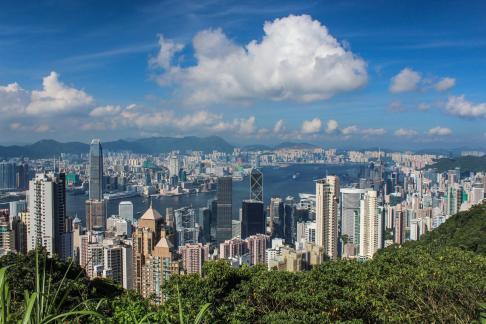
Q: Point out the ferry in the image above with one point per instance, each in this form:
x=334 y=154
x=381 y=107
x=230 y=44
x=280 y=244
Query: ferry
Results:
x=121 y=195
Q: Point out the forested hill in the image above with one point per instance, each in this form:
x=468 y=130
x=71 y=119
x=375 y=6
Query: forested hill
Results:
x=441 y=278
x=466 y=163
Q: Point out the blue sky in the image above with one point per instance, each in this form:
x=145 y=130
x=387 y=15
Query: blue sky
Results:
x=407 y=74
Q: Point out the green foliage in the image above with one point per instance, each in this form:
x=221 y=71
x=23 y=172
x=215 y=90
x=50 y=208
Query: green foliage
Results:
x=76 y=287
x=441 y=278
x=41 y=305
x=466 y=163
x=465 y=230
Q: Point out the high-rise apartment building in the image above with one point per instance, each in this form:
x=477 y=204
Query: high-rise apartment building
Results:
x=257 y=245
x=224 y=209
x=193 y=257
x=47 y=211
x=327 y=191
x=370 y=225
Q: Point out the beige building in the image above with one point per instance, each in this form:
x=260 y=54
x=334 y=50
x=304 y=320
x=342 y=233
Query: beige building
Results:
x=327 y=193
x=193 y=257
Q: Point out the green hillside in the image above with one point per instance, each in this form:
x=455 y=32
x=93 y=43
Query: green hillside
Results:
x=466 y=163
x=441 y=278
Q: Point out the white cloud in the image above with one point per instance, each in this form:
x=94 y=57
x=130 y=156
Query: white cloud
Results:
x=13 y=99
x=350 y=130
x=311 y=126
x=404 y=132
x=167 y=50
x=279 y=126
x=445 y=83
x=240 y=126
x=459 y=106
x=406 y=80
x=55 y=97
x=108 y=110
x=373 y=131
x=297 y=59
x=440 y=131
x=332 y=126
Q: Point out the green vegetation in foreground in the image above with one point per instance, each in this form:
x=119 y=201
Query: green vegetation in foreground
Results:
x=441 y=278
x=466 y=163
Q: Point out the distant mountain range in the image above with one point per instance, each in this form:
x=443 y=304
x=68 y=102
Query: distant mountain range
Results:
x=152 y=145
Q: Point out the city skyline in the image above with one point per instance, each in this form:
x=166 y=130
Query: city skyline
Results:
x=160 y=69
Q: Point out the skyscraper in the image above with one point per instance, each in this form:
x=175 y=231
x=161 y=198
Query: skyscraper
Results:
x=327 y=191
x=369 y=237
x=224 y=209
x=95 y=170
x=47 y=210
x=7 y=176
x=256 y=185
x=253 y=218
x=95 y=205
x=350 y=216
x=95 y=215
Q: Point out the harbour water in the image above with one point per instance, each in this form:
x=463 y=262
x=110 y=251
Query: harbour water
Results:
x=281 y=181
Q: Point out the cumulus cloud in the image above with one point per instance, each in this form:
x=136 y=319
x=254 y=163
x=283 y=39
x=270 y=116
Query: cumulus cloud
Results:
x=332 y=126
x=406 y=80
x=242 y=126
x=55 y=97
x=404 y=132
x=445 y=84
x=350 y=130
x=459 y=106
x=311 y=126
x=297 y=59
x=440 y=131
x=167 y=50
x=279 y=126
x=13 y=99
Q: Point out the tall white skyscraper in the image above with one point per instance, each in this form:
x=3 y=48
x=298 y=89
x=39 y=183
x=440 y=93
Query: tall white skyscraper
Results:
x=369 y=224
x=47 y=214
x=174 y=165
x=125 y=210
x=327 y=198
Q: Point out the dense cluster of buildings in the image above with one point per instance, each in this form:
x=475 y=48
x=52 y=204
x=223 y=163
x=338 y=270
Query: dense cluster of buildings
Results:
x=394 y=199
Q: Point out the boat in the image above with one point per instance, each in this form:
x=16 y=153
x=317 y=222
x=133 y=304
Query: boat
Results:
x=121 y=195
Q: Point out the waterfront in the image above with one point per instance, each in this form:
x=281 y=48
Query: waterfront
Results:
x=278 y=181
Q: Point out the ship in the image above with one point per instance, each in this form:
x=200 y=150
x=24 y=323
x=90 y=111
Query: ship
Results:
x=121 y=195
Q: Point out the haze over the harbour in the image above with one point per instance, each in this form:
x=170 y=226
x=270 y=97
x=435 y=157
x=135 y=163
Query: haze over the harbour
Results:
x=345 y=74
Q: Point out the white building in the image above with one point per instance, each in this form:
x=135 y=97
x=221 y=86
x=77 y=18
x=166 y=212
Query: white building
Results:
x=125 y=210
